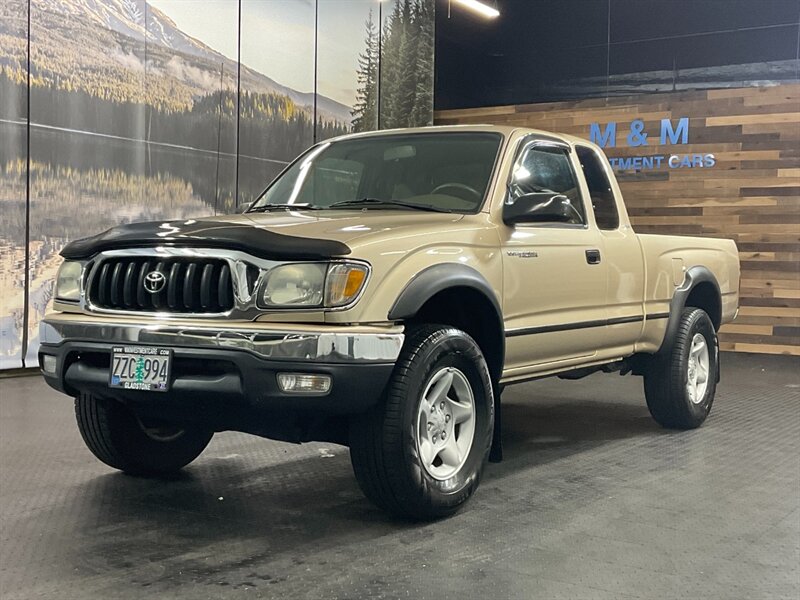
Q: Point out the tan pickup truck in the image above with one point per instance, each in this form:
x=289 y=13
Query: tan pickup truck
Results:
x=381 y=293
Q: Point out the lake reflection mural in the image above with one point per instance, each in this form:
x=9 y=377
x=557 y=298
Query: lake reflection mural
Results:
x=171 y=109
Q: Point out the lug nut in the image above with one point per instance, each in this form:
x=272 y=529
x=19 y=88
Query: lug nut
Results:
x=430 y=426
x=447 y=418
x=442 y=405
x=444 y=435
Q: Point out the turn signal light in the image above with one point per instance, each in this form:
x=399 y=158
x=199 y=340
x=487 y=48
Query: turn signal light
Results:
x=344 y=283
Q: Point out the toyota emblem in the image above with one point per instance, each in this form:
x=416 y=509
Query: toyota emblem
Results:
x=154 y=282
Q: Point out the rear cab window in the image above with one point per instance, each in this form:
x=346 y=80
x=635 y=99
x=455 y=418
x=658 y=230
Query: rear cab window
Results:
x=603 y=202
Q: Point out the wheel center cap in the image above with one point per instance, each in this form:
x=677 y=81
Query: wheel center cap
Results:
x=438 y=421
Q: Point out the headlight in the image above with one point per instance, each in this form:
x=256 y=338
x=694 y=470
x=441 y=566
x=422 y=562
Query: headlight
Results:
x=295 y=285
x=313 y=285
x=68 y=281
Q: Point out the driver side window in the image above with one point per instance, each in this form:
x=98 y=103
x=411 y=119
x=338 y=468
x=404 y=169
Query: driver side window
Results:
x=542 y=168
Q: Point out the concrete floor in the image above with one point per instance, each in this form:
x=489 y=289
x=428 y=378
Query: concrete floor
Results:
x=592 y=501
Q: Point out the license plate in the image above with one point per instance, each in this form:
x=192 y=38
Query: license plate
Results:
x=140 y=368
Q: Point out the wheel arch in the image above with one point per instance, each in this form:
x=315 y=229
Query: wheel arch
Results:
x=699 y=289
x=453 y=294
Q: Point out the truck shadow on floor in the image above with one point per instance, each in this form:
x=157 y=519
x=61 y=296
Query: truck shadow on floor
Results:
x=536 y=432
x=229 y=519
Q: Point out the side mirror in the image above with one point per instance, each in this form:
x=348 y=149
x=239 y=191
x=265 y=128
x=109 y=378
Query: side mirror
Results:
x=243 y=208
x=540 y=207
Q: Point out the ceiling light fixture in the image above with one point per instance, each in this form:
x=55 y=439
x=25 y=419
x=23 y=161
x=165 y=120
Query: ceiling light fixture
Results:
x=479 y=7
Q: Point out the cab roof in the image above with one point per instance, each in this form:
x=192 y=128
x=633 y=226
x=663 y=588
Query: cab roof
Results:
x=505 y=130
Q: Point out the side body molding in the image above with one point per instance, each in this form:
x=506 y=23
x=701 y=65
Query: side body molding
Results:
x=429 y=282
x=694 y=276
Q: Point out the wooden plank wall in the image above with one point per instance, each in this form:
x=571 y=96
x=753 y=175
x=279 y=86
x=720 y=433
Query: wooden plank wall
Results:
x=751 y=195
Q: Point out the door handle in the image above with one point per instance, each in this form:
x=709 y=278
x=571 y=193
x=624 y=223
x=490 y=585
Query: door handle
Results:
x=593 y=256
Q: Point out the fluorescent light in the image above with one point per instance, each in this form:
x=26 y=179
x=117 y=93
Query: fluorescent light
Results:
x=479 y=7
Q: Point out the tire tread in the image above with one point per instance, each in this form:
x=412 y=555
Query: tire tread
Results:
x=377 y=434
x=111 y=432
x=663 y=382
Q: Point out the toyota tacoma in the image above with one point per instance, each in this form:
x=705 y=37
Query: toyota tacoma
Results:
x=380 y=293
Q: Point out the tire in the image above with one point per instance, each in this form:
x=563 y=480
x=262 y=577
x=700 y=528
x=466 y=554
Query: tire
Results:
x=672 y=399
x=390 y=443
x=118 y=438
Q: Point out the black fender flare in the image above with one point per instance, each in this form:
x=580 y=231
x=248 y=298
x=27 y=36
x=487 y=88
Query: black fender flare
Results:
x=432 y=280
x=438 y=278
x=694 y=276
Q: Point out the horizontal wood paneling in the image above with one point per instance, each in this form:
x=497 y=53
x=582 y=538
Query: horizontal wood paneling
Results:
x=752 y=194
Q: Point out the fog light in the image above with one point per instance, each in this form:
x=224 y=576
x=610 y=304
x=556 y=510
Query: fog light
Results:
x=49 y=364
x=304 y=383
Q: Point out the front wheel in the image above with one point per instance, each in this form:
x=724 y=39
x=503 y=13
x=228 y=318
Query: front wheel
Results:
x=680 y=386
x=120 y=439
x=420 y=453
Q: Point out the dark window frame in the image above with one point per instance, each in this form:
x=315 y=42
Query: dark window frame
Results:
x=602 y=171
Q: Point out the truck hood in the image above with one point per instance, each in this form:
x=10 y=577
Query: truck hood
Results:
x=300 y=235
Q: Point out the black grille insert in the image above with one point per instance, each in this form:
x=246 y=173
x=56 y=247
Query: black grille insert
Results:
x=155 y=284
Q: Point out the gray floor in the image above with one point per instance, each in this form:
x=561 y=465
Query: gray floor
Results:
x=592 y=501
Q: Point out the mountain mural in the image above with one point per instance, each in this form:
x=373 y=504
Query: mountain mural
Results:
x=105 y=47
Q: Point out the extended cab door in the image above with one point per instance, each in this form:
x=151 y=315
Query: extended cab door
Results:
x=621 y=252
x=554 y=278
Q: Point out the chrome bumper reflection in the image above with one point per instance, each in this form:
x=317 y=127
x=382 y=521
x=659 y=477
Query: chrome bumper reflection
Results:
x=319 y=346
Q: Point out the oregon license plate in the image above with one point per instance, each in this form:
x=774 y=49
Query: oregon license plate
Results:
x=140 y=368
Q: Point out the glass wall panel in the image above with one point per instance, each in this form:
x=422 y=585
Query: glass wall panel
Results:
x=347 y=66
x=87 y=119
x=406 y=68
x=277 y=89
x=13 y=161
x=136 y=115
x=87 y=125
x=191 y=85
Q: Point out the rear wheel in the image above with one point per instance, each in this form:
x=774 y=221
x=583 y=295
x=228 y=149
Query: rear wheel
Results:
x=420 y=453
x=680 y=386
x=119 y=438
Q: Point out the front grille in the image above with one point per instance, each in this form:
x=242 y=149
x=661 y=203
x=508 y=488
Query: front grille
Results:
x=188 y=285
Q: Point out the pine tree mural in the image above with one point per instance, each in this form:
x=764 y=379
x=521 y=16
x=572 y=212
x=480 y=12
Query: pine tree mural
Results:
x=422 y=111
x=365 y=111
x=390 y=66
x=406 y=69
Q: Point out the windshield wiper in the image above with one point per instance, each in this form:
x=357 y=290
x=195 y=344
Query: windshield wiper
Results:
x=377 y=202
x=269 y=207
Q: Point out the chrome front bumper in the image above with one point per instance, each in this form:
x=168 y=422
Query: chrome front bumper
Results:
x=331 y=344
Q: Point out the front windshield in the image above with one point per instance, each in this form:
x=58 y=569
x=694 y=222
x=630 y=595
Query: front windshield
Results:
x=430 y=171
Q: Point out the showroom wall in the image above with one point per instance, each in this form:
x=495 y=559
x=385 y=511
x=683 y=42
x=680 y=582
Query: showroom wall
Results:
x=697 y=107
x=159 y=109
